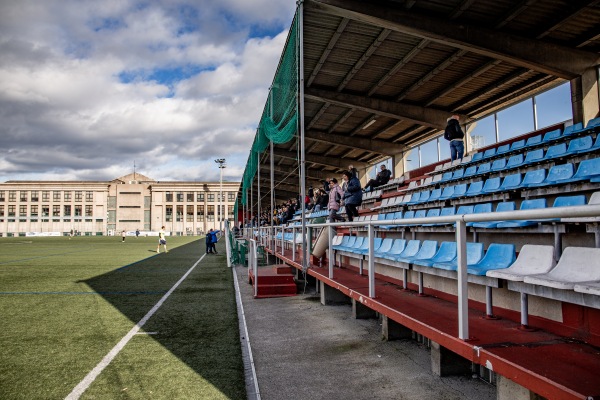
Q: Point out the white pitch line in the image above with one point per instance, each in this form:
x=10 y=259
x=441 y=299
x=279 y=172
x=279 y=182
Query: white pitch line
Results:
x=93 y=374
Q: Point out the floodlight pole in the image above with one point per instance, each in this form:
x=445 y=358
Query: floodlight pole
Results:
x=220 y=214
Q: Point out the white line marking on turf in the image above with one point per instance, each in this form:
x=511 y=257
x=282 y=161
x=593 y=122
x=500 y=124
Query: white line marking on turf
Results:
x=93 y=374
x=240 y=304
x=147 y=333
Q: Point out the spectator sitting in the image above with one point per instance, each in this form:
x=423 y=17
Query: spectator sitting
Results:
x=381 y=179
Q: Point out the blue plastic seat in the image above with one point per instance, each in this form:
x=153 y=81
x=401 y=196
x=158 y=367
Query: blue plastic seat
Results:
x=515 y=161
x=476 y=157
x=580 y=145
x=481 y=208
x=414 y=198
x=557 y=175
x=472 y=170
x=534 y=178
x=497 y=256
x=447 y=193
x=460 y=190
x=353 y=245
x=558 y=150
x=433 y=212
x=552 y=135
x=458 y=173
x=445 y=253
x=397 y=247
x=427 y=250
x=525 y=205
x=534 y=156
x=412 y=248
x=570 y=130
x=390 y=216
x=446 y=176
x=587 y=170
x=518 y=145
x=570 y=201
x=417 y=214
x=595 y=146
x=491 y=185
x=505 y=148
x=489 y=153
x=344 y=243
x=475 y=189
x=364 y=248
x=435 y=194
x=446 y=211
x=498 y=165
x=510 y=182
x=465 y=209
x=505 y=206
x=533 y=141
x=484 y=168
x=589 y=127
x=474 y=255
x=420 y=197
x=386 y=245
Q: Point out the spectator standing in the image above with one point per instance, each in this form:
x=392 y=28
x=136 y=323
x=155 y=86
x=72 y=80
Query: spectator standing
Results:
x=162 y=239
x=352 y=195
x=123 y=236
x=454 y=134
x=335 y=196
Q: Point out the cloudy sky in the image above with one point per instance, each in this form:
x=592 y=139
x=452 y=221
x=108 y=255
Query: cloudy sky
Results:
x=87 y=87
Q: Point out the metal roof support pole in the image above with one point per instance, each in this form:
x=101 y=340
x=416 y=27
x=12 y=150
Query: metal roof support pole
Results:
x=258 y=210
x=331 y=256
x=371 y=260
x=272 y=216
x=252 y=205
x=463 y=296
x=302 y=133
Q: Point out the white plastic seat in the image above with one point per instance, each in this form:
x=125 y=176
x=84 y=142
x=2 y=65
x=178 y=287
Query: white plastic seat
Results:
x=532 y=260
x=576 y=265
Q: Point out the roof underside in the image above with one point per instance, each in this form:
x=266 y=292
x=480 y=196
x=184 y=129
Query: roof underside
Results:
x=407 y=65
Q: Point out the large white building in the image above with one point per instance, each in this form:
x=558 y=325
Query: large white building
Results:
x=132 y=202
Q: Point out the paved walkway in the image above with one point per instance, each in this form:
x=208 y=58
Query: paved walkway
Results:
x=304 y=350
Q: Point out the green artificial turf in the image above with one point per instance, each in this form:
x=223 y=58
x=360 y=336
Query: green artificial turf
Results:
x=65 y=304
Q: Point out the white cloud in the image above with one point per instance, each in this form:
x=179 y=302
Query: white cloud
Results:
x=66 y=114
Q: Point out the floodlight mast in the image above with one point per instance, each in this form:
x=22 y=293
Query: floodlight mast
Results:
x=220 y=214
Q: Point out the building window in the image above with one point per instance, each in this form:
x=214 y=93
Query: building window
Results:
x=200 y=213
x=23 y=196
x=22 y=211
x=67 y=196
x=45 y=195
x=88 y=210
x=34 y=211
x=56 y=196
x=78 y=196
x=67 y=212
x=45 y=210
x=199 y=196
x=230 y=211
x=1 y=210
x=179 y=197
x=56 y=210
x=210 y=213
x=2 y=195
x=12 y=195
x=179 y=215
x=211 y=197
x=34 y=195
x=78 y=211
x=11 y=210
x=89 y=196
x=230 y=196
x=189 y=214
x=189 y=197
x=169 y=196
x=169 y=213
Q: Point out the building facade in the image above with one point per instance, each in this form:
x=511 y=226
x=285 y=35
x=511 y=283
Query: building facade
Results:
x=129 y=203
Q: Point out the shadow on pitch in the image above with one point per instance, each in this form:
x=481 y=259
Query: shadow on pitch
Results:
x=197 y=323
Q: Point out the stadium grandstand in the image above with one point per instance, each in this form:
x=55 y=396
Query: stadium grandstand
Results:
x=493 y=261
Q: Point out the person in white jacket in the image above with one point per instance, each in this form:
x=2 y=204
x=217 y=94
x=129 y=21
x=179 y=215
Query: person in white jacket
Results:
x=336 y=194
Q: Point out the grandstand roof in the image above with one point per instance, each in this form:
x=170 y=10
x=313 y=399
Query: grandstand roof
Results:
x=381 y=76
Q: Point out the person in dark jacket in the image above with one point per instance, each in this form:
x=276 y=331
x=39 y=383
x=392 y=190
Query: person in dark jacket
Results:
x=454 y=134
x=381 y=179
x=352 y=195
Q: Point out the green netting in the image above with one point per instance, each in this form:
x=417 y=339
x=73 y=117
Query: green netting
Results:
x=279 y=120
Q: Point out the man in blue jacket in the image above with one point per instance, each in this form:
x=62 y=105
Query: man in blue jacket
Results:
x=211 y=239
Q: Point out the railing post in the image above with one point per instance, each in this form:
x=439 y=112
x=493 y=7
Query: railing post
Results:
x=331 y=251
x=371 y=260
x=293 y=243
x=463 y=295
